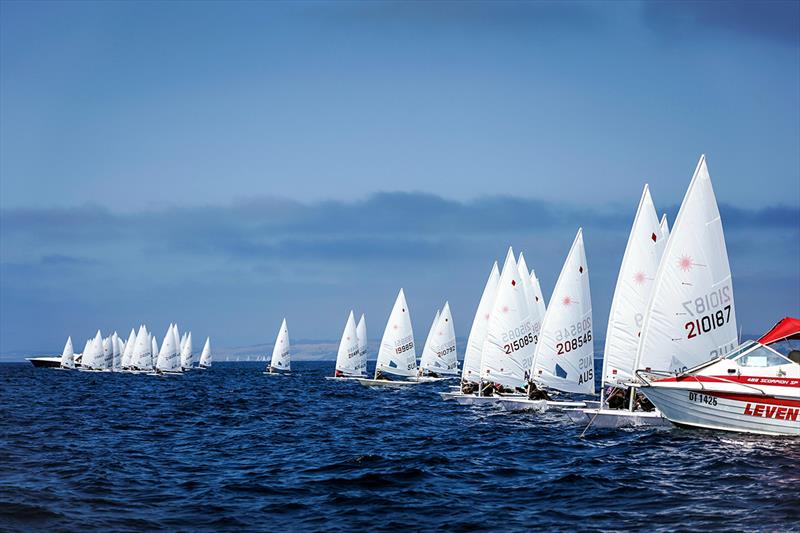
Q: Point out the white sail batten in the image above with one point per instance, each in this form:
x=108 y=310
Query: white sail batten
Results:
x=565 y=353
x=281 y=357
x=691 y=316
x=509 y=346
x=443 y=344
x=428 y=356
x=205 y=356
x=471 y=370
x=632 y=293
x=361 y=331
x=397 y=354
x=348 y=356
x=68 y=355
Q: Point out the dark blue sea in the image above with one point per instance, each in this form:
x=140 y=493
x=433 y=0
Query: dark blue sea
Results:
x=231 y=449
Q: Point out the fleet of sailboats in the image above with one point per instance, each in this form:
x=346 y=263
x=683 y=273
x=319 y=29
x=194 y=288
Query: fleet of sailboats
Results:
x=671 y=338
x=139 y=354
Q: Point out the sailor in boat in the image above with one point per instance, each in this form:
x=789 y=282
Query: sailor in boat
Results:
x=468 y=387
x=535 y=393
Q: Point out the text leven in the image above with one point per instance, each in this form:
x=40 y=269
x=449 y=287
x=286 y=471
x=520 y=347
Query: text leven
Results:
x=772 y=411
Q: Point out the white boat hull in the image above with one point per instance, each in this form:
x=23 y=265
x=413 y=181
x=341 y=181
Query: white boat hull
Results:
x=616 y=418
x=342 y=378
x=524 y=404
x=385 y=383
x=765 y=415
x=473 y=399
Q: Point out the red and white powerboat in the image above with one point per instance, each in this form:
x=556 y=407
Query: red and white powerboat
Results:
x=754 y=389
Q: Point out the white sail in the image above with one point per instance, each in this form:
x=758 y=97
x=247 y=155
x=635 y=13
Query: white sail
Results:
x=141 y=358
x=530 y=297
x=108 y=354
x=177 y=339
x=127 y=354
x=565 y=352
x=471 y=371
x=347 y=358
x=428 y=355
x=205 y=356
x=538 y=297
x=691 y=316
x=444 y=344
x=168 y=358
x=281 y=356
x=68 y=355
x=397 y=354
x=361 y=331
x=509 y=345
x=93 y=356
x=664 y=227
x=187 y=358
x=116 y=362
x=632 y=293
x=154 y=346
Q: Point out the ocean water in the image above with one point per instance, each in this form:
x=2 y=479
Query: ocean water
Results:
x=231 y=449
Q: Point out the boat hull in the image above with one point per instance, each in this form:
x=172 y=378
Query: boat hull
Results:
x=385 y=383
x=616 y=418
x=473 y=399
x=342 y=378
x=760 y=414
x=45 y=362
x=524 y=404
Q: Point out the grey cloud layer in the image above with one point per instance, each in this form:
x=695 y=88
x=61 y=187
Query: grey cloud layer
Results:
x=230 y=267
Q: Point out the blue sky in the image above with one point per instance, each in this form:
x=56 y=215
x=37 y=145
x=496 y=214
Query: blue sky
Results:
x=225 y=164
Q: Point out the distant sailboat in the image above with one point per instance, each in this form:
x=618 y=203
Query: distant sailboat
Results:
x=428 y=355
x=444 y=363
x=348 y=365
x=397 y=357
x=93 y=359
x=205 y=356
x=361 y=332
x=471 y=370
x=68 y=356
x=281 y=362
x=187 y=358
x=168 y=361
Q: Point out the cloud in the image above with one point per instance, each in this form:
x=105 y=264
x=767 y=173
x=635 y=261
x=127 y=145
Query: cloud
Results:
x=233 y=270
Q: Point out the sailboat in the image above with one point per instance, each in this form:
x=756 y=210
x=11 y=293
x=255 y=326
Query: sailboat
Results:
x=168 y=362
x=444 y=362
x=635 y=283
x=564 y=352
x=281 y=362
x=396 y=357
x=471 y=366
x=348 y=358
x=93 y=359
x=68 y=355
x=361 y=333
x=187 y=359
x=691 y=316
x=428 y=355
x=142 y=359
x=509 y=345
x=205 y=356
x=127 y=353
